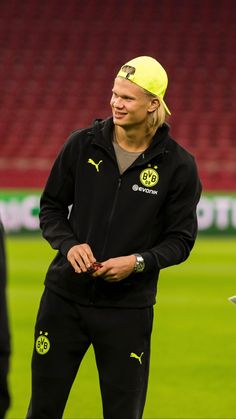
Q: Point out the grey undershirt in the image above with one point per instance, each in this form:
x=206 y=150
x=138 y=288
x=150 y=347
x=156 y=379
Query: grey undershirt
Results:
x=124 y=158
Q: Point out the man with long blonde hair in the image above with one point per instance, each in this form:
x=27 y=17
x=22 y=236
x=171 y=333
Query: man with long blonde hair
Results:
x=119 y=205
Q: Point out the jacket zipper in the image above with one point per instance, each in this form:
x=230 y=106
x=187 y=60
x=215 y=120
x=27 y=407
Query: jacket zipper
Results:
x=93 y=291
x=111 y=217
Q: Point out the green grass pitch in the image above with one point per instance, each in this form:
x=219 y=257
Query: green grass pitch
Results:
x=193 y=359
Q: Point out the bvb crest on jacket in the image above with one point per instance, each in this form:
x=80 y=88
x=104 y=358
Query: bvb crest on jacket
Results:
x=149 y=177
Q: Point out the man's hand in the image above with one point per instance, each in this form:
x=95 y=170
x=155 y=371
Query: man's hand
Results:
x=116 y=269
x=81 y=257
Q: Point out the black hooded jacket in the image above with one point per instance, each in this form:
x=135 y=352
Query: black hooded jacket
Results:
x=150 y=209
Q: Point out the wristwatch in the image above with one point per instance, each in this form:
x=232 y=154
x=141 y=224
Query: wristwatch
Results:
x=139 y=264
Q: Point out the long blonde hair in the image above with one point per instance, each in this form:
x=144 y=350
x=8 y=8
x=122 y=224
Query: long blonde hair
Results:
x=159 y=116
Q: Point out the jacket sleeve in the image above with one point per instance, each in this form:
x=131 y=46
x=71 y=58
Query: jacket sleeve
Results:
x=57 y=197
x=180 y=219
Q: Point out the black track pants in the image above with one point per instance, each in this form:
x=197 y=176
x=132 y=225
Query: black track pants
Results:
x=121 y=340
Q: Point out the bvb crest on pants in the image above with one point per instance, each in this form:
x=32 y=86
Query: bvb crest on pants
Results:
x=42 y=345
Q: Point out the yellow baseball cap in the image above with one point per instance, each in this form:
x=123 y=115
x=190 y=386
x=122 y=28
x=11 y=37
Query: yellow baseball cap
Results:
x=147 y=73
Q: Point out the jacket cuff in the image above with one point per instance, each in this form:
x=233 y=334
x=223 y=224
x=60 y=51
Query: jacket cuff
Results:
x=67 y=245
x=150 y=261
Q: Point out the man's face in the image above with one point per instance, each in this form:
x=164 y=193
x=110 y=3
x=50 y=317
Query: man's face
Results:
x=129 y=103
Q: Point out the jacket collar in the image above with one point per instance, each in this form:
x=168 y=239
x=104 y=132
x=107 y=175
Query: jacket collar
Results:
x=103 y=133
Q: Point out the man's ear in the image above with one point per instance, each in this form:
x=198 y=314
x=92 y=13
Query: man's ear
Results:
x=155 y=103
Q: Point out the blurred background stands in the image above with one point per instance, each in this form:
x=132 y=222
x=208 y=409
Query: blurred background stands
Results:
x=58 y=61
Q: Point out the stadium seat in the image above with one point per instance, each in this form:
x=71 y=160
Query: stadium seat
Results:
x=59 y=59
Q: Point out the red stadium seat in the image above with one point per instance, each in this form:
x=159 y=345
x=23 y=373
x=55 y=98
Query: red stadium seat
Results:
x=59 y=59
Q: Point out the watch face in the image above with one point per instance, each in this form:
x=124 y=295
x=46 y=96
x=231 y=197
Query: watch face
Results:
x=140 y=265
